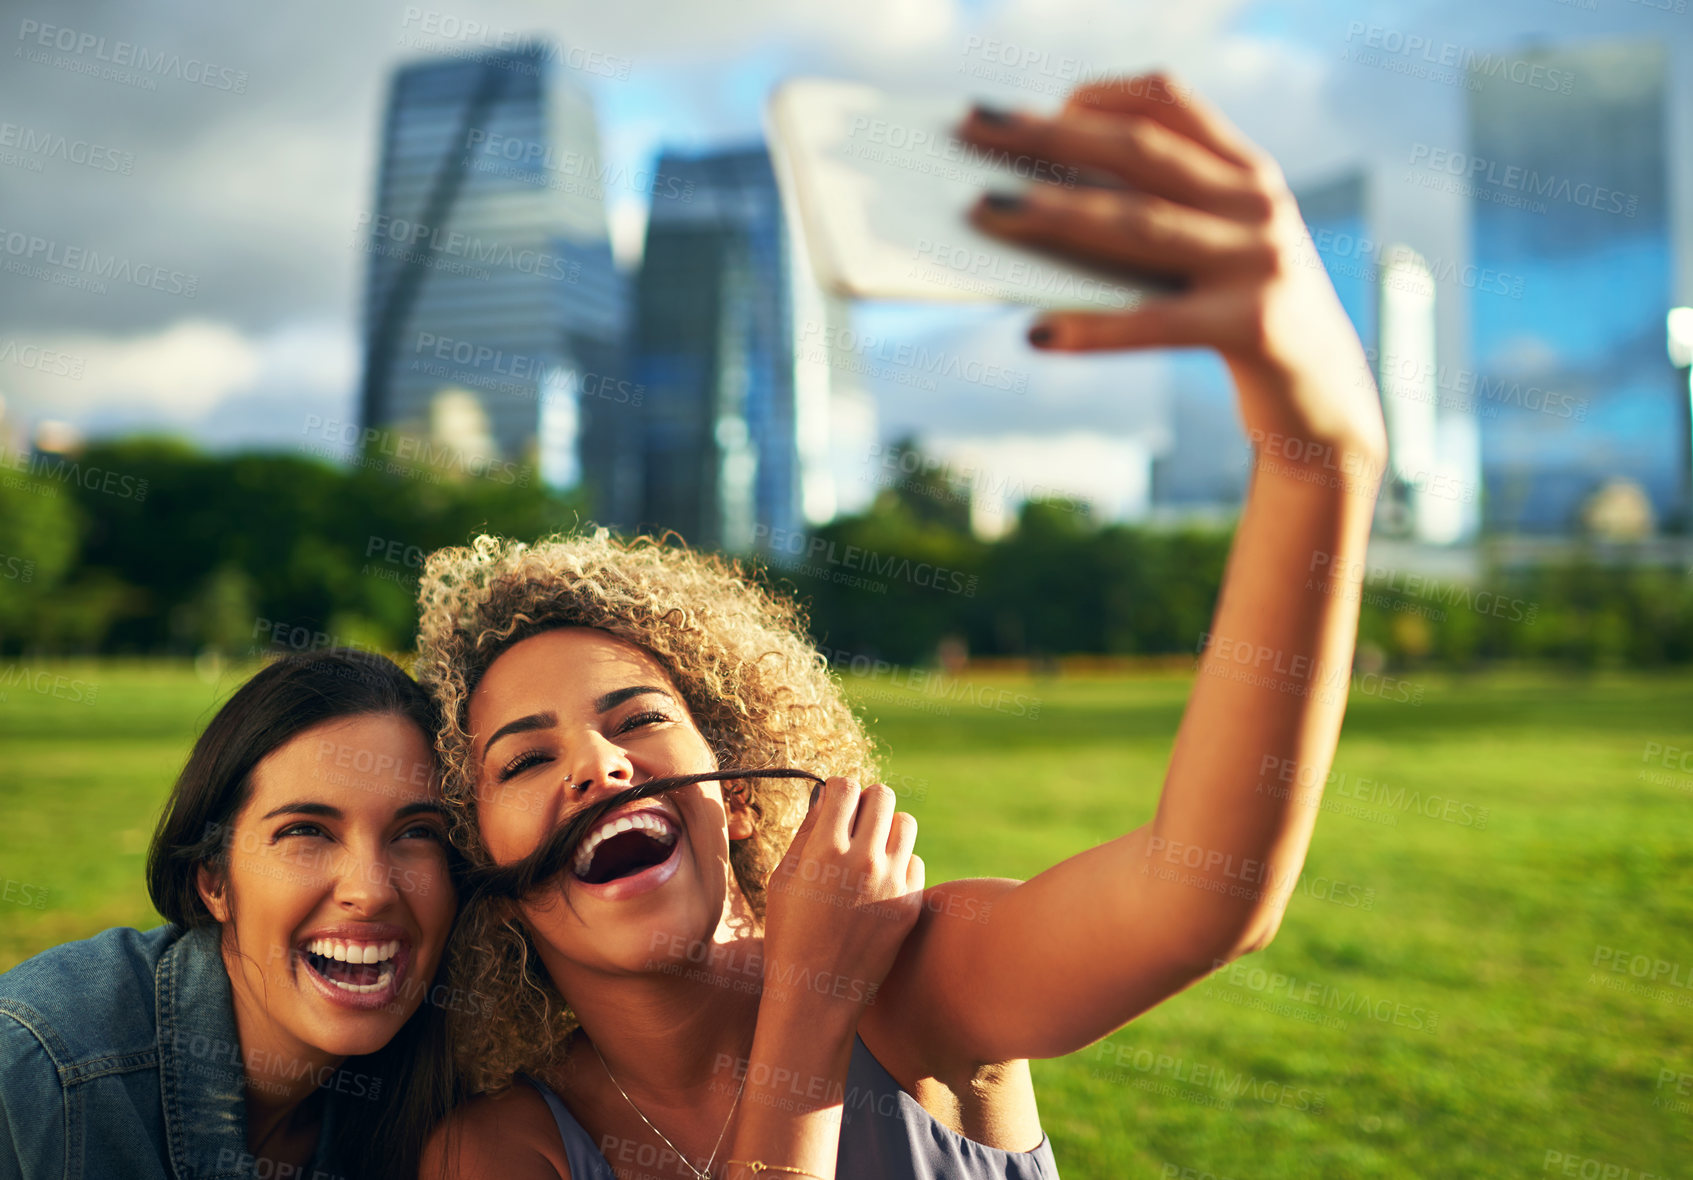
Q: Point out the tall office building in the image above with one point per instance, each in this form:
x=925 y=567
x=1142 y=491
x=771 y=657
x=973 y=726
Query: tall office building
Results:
x=492 y=307
x=1206 y=465
x=720 y=451
x=1569 y=200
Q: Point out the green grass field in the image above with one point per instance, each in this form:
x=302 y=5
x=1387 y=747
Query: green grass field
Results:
x=1431 y=1006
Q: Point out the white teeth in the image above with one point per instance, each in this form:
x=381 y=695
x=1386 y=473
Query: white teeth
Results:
x=383 y=979
x=650 y=821
x=354 y=952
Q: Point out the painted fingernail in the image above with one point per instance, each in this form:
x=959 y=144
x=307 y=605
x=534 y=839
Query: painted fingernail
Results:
x=1002 y=202
x=1040 y=335
x=815 y=793
x=984 y=113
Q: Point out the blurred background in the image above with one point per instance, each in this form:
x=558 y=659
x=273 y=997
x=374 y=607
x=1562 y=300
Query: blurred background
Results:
x=291 y=296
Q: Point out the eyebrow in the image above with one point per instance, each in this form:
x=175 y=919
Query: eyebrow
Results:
x=526 y=724
x=329 y=812
x=617 y=696
x=534 y=721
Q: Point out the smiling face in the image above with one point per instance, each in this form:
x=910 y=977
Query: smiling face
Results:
x=564 y=719
x=336 y=901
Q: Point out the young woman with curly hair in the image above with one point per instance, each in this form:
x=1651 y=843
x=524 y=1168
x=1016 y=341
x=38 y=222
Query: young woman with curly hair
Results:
x=572 y=670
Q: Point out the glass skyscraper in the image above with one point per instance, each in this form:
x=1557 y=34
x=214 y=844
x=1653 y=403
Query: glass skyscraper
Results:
x=1206 y=465
x=492 y=308
x=717 y=440
x=1568 y=194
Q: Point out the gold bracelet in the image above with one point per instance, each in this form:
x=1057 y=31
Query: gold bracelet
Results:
x=757 y=1166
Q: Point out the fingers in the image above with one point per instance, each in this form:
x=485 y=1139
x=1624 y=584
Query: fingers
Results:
x=833 y=814
x=809 y=820
x=1165 y=323
x=875 y=817
x=1146 y=233
x=902 y=836
x=1135 y=148
x=1158 y=96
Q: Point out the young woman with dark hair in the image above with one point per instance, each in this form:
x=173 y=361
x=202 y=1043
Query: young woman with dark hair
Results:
x=303 y=869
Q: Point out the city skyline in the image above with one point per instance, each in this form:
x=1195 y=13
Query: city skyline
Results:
x=261 y=344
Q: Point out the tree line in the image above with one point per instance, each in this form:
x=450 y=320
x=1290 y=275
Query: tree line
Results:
x=152 y=547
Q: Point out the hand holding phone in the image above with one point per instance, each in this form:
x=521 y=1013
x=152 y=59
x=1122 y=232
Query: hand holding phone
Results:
x=880 y=187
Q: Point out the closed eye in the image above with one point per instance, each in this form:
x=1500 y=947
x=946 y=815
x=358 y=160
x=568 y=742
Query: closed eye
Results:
x=523 y=762
x=635 y=721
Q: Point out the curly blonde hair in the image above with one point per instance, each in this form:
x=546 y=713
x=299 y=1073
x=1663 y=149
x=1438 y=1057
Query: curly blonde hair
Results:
x=737 y=652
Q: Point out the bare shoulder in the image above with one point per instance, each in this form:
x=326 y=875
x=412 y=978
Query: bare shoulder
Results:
x=506 y=1136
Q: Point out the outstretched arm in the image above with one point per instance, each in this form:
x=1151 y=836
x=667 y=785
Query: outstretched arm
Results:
x=1061 y=960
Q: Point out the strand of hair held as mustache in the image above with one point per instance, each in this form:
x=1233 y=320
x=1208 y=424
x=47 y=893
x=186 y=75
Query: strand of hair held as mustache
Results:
x=555 y=854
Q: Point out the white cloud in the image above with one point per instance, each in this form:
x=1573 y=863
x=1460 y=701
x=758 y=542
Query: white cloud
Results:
x=185 y=372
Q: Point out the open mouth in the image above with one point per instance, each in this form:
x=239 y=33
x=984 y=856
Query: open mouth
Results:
x=354 y=968
x=624 y=846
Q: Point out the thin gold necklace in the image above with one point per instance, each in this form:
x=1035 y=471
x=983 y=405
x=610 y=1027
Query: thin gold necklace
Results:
x=680 y=1154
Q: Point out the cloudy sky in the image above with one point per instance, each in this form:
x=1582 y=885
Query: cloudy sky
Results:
x=236 y=193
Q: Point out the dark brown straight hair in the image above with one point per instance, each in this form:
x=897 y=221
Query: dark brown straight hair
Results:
x=382 y=1135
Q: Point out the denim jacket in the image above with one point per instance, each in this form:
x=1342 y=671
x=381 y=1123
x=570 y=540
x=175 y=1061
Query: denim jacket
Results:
x=119 y=1058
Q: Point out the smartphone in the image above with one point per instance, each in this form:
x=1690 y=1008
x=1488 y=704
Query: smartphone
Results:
x=879 y=186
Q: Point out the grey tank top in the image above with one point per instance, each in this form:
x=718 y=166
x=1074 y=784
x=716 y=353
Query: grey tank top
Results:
x=885 y=1135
